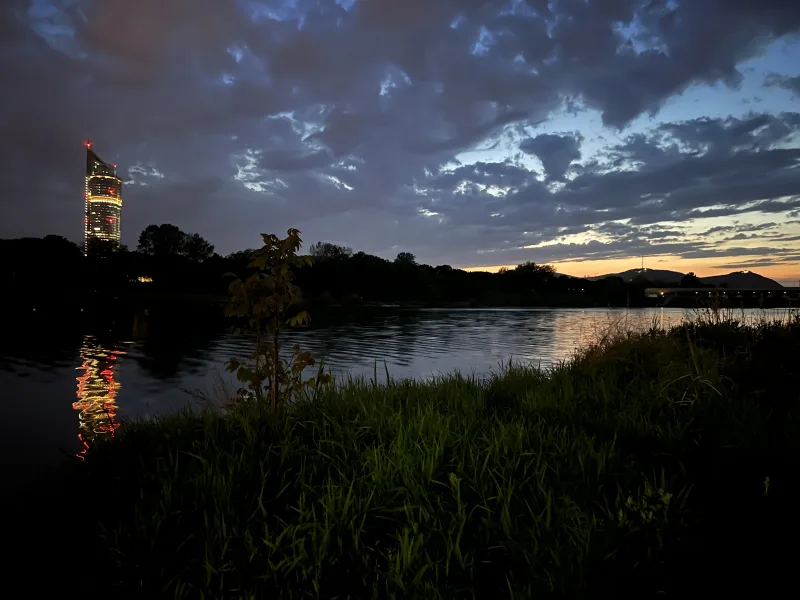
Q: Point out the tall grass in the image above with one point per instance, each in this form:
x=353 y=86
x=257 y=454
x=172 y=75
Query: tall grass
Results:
x=629 y=469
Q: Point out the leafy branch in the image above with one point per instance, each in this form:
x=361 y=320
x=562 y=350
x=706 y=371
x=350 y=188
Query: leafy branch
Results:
x=264 y=299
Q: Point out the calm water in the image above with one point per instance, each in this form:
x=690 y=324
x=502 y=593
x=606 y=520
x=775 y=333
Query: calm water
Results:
x=58 y=393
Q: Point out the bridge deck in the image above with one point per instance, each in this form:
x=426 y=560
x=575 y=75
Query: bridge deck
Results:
x=787 y=291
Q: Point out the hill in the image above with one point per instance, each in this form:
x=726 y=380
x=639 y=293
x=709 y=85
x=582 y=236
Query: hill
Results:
x=747 y=280
x=660 y=275
x=744 y=280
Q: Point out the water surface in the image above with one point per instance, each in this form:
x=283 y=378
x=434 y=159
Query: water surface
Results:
x=58 y=392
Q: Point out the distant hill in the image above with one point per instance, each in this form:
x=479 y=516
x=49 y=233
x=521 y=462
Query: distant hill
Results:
x=744 y=280
x=662 y=276
x=747 y=280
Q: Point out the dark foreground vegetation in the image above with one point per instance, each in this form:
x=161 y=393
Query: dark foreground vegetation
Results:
x=651 y=464
x=171 y=267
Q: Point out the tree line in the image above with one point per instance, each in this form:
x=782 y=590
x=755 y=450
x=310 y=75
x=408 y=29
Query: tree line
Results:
x=169 y=259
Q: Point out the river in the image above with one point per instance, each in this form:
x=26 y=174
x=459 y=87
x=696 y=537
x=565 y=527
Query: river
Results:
x=60 y=391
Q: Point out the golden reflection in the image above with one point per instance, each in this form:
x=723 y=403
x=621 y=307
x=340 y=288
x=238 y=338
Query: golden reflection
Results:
x=97 y=392
x=575 y=330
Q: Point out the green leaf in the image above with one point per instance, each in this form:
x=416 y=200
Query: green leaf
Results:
x=244 y=375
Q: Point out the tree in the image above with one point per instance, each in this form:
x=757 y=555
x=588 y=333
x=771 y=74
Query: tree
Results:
x=405 y=258
x=237 y=261
x=161 y=241
x=98 y=248
x=196 y=249
x=542 y=271
x=263 y=299
x=22 y=262
x=327 y=251
x=62 y=244
x=240 y=256
x=690 y=280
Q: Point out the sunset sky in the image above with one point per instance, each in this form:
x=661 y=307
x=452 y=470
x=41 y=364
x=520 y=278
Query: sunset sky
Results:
x=474 y=133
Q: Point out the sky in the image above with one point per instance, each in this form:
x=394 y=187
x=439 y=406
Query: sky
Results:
x=587 y=134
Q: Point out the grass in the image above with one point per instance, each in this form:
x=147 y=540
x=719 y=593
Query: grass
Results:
x=662 y=462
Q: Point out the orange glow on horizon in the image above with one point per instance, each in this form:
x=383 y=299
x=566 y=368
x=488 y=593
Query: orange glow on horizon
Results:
x=788 y=273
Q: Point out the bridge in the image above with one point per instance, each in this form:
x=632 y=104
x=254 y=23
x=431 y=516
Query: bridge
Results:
x=779 y=296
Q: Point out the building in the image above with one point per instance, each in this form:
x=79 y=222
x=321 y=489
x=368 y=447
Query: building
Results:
x=103 y=195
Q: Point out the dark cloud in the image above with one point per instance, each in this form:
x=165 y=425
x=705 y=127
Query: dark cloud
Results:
x=557 y=152
x=671 y=45
x=784 y=81
x=730 y=162
x=739 y=228
x=504 y=175
x=731 y=135
x=753 y=264
x=350 y=119
x=711 y=252
x=696 y=169
x=769 y=207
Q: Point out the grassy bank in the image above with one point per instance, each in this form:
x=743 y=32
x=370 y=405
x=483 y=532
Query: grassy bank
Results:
x=657 y=463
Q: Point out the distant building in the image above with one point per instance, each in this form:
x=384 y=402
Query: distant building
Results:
x=103 y=199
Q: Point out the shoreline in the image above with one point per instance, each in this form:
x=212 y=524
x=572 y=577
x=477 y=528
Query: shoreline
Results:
x=107 y=303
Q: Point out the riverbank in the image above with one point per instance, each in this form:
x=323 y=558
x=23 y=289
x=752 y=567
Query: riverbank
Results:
x=660 y=462
x=68 y=309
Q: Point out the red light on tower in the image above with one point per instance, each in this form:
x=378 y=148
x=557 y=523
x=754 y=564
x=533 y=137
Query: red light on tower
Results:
x=88 y=144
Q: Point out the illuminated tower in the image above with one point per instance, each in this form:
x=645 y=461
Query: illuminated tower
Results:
x=103 y=199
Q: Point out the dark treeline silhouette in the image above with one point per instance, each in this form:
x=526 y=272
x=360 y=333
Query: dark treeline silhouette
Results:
x=176 y=260
x=184 y=265
x=690 y=280
x=341 y=276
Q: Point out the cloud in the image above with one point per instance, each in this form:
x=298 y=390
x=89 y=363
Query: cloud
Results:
x=689 y=165
x=665 y=47
x=557 y=152
x=739 y=228
x=791 y=84
x=752 y=264
x=395 y=124
x=138 y=174
x=729 y=136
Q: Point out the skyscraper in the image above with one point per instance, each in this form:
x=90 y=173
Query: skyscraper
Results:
x=103 y=199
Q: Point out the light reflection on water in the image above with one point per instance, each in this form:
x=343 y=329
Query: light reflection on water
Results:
x=431 y=342
x=97 y=392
